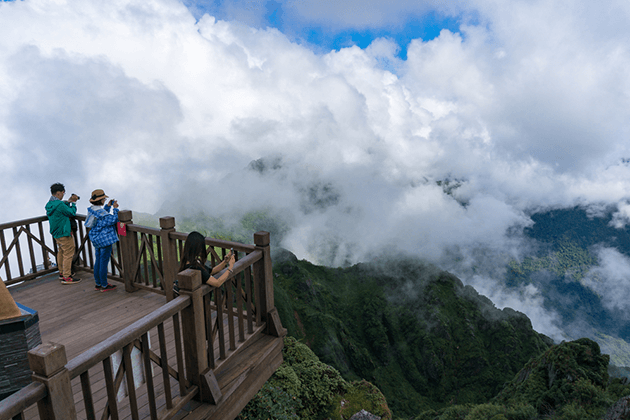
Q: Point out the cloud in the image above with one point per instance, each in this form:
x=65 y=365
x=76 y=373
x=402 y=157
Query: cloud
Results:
x=621 y=216
x=442 y=155
x=83 y=122
x=528 y=300
x=610 y=280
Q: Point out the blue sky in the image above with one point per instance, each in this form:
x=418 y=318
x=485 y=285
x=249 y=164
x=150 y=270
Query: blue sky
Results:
x=426 y=28
x=424 y=24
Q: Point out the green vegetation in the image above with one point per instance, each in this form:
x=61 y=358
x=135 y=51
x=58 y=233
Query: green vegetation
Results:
x=360 y=395
x=568 y=382
x=616 y=348
x=568 y=259
x=566 y=241
x=271 y=403
x=481 y=412
x=400 y=334
x=436 y=350
x=305 y=388
x=415 y=332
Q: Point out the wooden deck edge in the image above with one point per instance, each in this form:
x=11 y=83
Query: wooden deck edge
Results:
x=250 y=339
x=242 y=377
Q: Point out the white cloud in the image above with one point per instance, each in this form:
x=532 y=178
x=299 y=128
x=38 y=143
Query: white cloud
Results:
x=528 y=300
x=610 y=280
x=621 y=217
x=526 y=109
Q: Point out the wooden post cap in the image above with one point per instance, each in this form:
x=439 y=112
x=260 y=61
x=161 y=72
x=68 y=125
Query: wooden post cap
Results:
x=167 y=222
x=261 y=238
x=189 y=279
x=47 y=359
x=125 y=216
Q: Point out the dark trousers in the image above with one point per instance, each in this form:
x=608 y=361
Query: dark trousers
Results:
x=100 y=265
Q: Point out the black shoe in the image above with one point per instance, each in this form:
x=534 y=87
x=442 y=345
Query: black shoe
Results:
x=108 y=288
x=70 y=280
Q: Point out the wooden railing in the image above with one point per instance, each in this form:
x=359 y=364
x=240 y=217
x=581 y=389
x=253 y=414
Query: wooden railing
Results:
x=215 y=321
x=137 y=336
x=13 y=406
x=33 y=250
x=52 y=390
x=32 y=231
x=151 y=256
x=146 y=258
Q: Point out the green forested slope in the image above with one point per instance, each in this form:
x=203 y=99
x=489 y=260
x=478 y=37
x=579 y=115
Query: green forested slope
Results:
x=569 y=381
x=438 y=350
x=567 y=240
x=416 y=332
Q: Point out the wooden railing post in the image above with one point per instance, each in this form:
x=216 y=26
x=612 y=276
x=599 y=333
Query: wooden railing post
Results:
x=48 y=363
x=193 y=326
x=169 y=248
x=128 y=248
x=263 y=275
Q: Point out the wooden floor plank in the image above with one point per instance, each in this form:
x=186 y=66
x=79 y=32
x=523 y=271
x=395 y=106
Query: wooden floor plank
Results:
x=79 y=318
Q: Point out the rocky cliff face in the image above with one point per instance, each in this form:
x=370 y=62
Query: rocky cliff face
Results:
x=420 y=335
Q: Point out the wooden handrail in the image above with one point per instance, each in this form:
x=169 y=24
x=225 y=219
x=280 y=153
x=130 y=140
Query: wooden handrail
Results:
x=20 y=231
x=107 y=347
x=16 y=403
x=32 y=220
x=17 y=223
x=239 y=266
x=136 y=276
x=35 y=239
x=246 y=296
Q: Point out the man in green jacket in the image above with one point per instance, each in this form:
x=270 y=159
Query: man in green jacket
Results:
x=59 y=213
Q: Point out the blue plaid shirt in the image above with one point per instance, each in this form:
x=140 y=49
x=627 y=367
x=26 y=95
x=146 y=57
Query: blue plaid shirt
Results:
x=104 y=232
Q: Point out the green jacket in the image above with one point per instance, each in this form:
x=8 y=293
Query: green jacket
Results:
x=59 y=213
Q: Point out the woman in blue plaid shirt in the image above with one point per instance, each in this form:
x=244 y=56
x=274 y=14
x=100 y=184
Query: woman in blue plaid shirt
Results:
x=102 y=221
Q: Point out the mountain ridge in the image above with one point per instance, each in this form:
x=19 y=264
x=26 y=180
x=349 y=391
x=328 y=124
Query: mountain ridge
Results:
x=416 y=332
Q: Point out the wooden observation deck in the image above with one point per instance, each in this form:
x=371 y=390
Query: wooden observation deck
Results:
x=202 y=355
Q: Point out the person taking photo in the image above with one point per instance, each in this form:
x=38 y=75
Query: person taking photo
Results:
x=59 y=213
x=101 y=220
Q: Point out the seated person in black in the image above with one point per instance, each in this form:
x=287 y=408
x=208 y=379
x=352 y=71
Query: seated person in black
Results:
x=195 y=256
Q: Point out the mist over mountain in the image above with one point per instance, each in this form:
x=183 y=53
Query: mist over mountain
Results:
x=416 y=332
x=439 y=147
x=411 y=341
x=565 y=268
x=581 y=268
